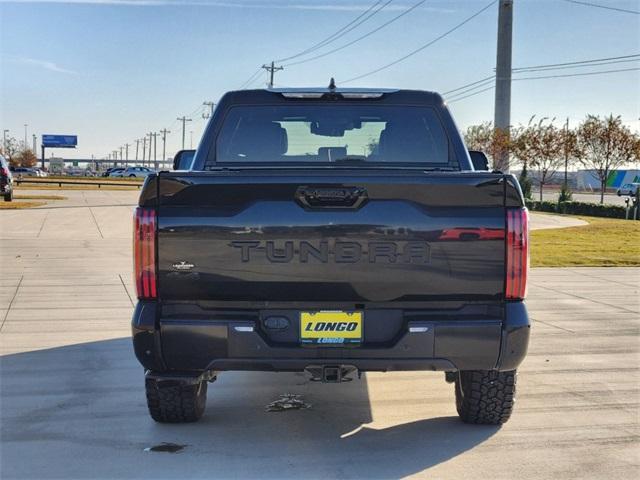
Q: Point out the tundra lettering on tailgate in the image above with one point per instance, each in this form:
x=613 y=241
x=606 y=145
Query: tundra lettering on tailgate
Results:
x=302 y=251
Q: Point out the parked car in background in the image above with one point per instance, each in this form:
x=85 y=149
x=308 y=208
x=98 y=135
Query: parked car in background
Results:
x=110 y=170
x=140 y=172
x=6 y=180
x=116 y=172
x=24 y=172
x=40 y=172
x=628 y=189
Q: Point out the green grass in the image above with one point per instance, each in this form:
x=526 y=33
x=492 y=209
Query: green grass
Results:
x=604 y=242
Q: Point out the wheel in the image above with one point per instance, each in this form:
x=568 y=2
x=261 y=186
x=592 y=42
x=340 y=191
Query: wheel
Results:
x=132 y=175
x=8 y=197
x=485 y=396
x=175 y=402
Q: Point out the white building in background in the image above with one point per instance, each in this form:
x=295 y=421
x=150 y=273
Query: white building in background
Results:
x=56 y=166
x=587 y=180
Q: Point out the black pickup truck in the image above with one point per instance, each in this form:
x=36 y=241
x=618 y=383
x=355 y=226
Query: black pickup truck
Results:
x=333 y=231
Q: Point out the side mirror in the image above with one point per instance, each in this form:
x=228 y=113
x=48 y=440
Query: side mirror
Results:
x=479 y=160
x=182 y=159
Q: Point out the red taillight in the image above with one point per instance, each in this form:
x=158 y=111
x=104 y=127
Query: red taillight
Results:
x=144 y=252
x=517 y=253
x=4 y=172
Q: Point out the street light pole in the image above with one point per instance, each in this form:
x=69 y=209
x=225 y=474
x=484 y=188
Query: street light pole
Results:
x=25 y=136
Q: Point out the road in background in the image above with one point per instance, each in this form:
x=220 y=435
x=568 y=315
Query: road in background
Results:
x=72 y=397
x=609 y=198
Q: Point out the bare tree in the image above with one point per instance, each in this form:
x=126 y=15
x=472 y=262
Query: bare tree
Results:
x=10 y=148
x=540 y=145
x=492 y=141
x=604 y=145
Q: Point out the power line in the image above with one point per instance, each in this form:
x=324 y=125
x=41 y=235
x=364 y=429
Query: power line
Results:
x=362 y=37
x=426 y=45
x=250 y=79
x=469 y=84
x=552 y=66
x=457 y=97
x=581 y=62
x=479 y=85
x=579 y=74
x=471 y=95
x=341 y=32
x=606 y=7
x=599 y=64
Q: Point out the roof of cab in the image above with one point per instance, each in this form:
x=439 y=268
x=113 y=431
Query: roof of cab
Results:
x=384 y=95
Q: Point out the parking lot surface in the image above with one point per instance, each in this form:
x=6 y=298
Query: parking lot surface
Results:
x=72 y=399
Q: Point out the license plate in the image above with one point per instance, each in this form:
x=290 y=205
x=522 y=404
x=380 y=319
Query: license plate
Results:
x=330 y=327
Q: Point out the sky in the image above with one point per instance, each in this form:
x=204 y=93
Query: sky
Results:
x=111 y=71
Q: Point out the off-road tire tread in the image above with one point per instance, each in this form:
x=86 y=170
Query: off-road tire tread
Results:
x=176 y=404
x=485 y=396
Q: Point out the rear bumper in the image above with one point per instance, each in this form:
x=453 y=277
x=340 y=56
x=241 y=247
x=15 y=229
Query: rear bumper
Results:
x=190 y=346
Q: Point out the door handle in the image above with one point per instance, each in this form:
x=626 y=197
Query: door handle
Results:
x=327 y=197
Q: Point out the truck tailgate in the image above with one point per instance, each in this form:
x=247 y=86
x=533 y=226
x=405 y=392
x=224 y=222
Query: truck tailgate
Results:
x=337 y=236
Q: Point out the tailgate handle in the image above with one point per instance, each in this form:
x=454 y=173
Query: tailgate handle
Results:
x=331 y=197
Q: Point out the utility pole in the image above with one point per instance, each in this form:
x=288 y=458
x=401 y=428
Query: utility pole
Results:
x=191 y=139
x=184 y=121
x=144 y=148
x=150 y=137
x=271 y=69
x=34 y=137
x=566 y=152
x=120 y=153
x=25 y=136
x=126 y=151
x=137 y=148
x=502 y=112
x=208 y=114
x=164 y=132
x=155 y=157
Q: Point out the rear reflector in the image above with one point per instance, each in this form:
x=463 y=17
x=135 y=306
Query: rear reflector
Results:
x=517 y=253
x=144 y=252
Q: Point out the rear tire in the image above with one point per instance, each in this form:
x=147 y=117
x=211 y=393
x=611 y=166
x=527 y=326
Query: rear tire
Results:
x=175 y=403
x=485 y=396
x=8 y=197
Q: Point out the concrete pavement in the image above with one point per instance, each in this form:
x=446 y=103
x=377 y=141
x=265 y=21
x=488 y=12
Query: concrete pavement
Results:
x=72 y=399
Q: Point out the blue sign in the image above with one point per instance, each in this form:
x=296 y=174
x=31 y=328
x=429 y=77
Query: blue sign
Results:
x=60 y=141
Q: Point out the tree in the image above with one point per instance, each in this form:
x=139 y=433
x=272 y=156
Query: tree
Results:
x=492 y=141
x=26 y=158
x=540 y=145
x=604 y=145
x=10 y=149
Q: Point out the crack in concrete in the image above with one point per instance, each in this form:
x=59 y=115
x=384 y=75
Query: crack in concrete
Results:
x=15 y=294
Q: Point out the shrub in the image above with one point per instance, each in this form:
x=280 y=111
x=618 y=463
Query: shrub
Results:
x=565 y=194
x=579 y=208
x=525 y=182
